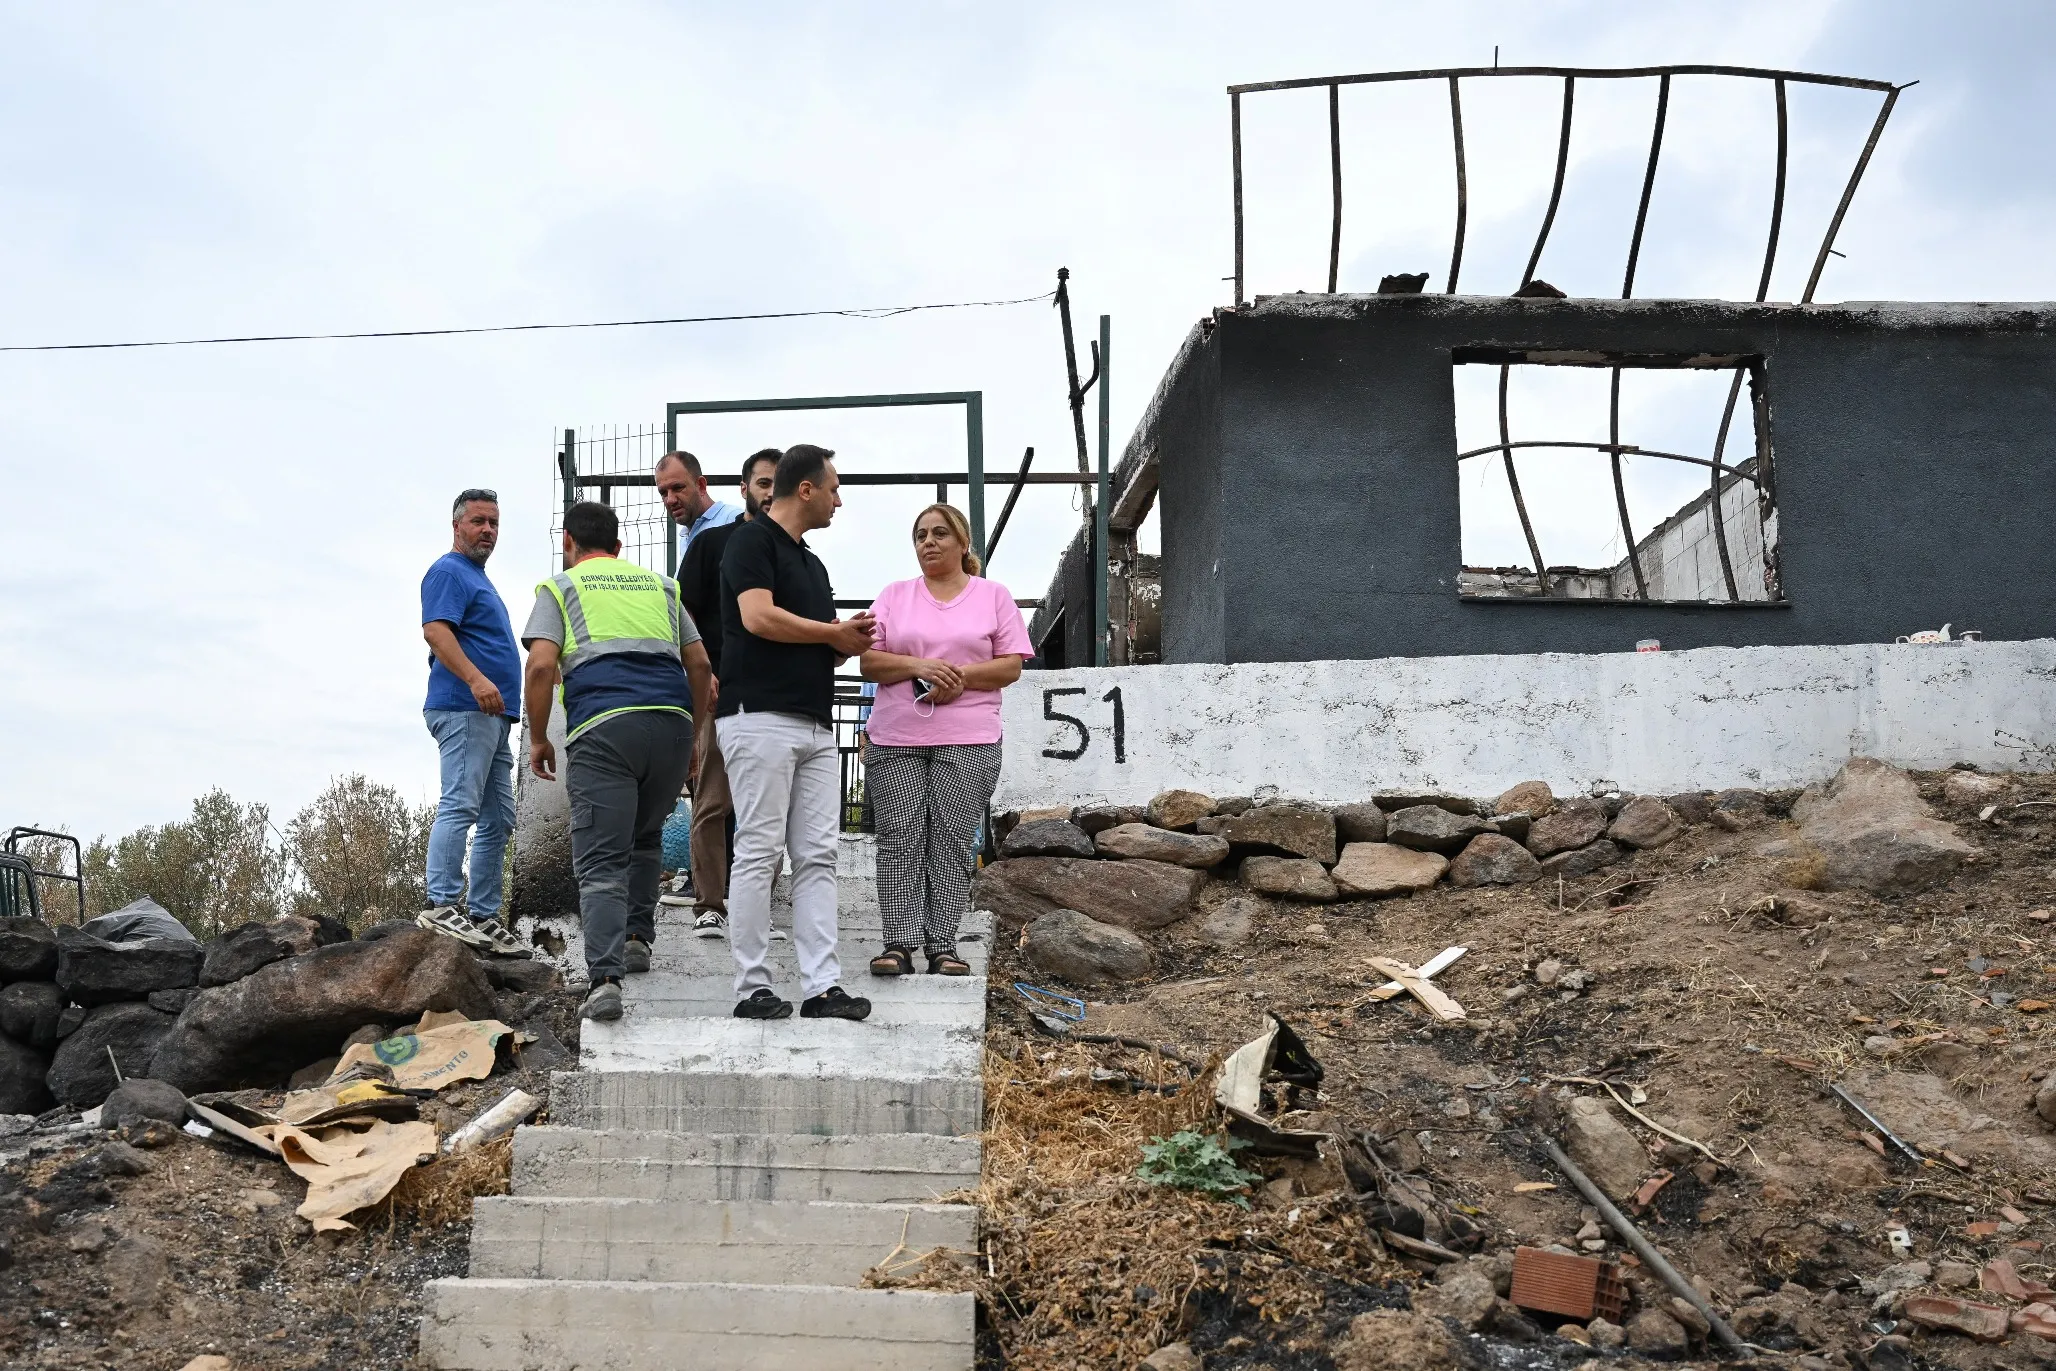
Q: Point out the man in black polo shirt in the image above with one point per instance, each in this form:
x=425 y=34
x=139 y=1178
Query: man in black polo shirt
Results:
x=780 y=643
x=713 y=808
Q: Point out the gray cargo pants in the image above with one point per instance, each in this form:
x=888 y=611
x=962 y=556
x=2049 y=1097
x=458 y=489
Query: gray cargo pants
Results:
x=624 y=776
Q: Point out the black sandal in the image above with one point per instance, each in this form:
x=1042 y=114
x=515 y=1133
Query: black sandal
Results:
x=947 y=964
x=894 y=961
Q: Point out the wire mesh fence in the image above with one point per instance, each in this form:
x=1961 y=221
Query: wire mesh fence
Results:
x=585 y=457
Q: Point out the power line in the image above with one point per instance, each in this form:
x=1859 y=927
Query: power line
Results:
x=877 y=312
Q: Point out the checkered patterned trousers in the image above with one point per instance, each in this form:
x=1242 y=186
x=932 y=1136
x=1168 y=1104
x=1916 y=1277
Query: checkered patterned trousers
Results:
x=927 y=803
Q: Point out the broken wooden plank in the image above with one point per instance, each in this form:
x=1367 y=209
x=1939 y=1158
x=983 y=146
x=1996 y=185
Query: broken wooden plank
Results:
x=1439 y=1005
x=1440 y=962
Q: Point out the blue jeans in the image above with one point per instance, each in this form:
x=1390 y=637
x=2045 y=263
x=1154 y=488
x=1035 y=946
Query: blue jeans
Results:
x=478 y=790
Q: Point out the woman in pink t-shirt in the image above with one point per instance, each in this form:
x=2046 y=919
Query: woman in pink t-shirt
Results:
x=947 y=642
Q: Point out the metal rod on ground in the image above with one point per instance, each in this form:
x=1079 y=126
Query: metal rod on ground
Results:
x=1911 y=1152
x=1006 y=511
x=1646 y=1250
x=1099 y=505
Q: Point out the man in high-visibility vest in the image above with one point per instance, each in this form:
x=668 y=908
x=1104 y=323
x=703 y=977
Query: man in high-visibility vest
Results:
x=634 y=676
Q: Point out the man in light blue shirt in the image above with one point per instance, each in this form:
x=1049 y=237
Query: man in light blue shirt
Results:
x=683 y=488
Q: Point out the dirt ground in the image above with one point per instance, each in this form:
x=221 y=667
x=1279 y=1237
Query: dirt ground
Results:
x=1724 y=997
x=202 y=1253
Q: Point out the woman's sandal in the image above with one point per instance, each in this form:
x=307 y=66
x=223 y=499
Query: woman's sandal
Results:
x=894 y=961
x=947 y=964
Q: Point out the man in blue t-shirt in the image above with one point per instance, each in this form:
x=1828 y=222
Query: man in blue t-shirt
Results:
x=474 y=697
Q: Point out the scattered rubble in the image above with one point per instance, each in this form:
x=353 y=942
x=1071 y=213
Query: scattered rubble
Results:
x=1672 y=1001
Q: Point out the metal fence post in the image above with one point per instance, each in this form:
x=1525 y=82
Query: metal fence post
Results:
x=974 y=438
x=1099 y=512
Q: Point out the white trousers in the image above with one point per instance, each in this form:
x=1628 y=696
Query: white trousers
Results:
x=784 y=775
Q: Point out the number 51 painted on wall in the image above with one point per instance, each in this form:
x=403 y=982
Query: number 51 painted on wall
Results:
x=1055 y=715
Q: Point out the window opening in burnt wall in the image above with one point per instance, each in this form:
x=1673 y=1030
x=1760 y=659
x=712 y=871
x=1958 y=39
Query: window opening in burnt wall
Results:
x=1602 y=476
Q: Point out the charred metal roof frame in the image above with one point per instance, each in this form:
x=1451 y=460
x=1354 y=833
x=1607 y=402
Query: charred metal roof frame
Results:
x=1455 y=77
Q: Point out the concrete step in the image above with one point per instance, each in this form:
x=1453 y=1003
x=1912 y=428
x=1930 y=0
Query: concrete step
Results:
x=878 y=1168
x=894 y=999
x=710 y=956
x=740 y=1102
x=534 y=1325
x=782 y=1047
x=754 y=1242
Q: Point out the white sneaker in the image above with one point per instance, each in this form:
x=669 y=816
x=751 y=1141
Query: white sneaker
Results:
x=501 y=938
x=710 y=923
x=452 y=922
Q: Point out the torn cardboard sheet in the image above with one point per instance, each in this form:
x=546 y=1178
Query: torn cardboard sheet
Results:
x=442 y=1050
x=347 y=1168
x=1239 y=1090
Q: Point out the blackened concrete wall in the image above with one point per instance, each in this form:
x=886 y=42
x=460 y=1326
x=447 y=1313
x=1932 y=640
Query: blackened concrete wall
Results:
x=1310 y=489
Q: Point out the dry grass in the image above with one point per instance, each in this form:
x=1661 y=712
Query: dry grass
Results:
x=442 y=1191
x=1086 y=1265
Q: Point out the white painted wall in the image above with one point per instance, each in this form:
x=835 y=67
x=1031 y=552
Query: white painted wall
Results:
x=1656 y=722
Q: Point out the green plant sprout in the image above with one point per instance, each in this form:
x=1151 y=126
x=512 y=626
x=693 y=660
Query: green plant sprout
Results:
x=1197 y=1161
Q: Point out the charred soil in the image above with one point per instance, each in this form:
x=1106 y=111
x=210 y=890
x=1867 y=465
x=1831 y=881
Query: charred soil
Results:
x=1705 y=983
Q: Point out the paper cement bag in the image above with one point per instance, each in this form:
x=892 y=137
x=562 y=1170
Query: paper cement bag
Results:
x=434 y=1057
x=349 y=1167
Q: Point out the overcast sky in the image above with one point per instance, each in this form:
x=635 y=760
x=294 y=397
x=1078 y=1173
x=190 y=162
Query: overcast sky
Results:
x=213 y=554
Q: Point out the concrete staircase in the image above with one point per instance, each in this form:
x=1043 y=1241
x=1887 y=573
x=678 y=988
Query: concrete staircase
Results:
x=711 y=1190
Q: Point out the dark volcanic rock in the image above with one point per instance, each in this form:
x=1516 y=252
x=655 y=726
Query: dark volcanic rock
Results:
x=386 y=930
x=1692 y=806
x=1047 y=838
x=28 y=950
x=94 y=971
x=1431 y=828
x=1071 y=947
x=1573 y=823
x=143 y=1098
x=81 y=1074
x=1136 y=895
x=1097 y=819
x=1582 y=861
x=1493 y=860
x=172 y=1001
x=1297 y=830
x=1645 y=821
x=1455 y=804
x=1359 y=823
x=23 y=1073
x=29 y=1011
x=514 y=973
x=238 y=952
x=261 y=1029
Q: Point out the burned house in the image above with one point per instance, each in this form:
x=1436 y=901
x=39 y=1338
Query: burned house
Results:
x=1878 y=468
